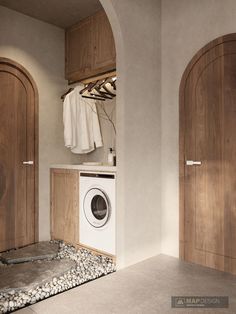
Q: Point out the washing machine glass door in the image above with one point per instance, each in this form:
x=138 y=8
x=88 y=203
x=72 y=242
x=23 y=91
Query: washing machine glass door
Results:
x=96 y=208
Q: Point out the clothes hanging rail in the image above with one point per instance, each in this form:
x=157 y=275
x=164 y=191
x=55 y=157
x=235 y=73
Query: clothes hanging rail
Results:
x=94 y=78
x=103 y=88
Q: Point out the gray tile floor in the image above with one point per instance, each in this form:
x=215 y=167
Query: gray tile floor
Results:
x=144 y=288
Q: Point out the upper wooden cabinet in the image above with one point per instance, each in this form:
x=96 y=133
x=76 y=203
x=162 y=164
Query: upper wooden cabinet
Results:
x=90 y=48
x=79 y=50
x=104 y=52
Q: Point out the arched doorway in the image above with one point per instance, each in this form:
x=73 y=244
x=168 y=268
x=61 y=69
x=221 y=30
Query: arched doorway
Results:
x=207 y=156
x=18 y=156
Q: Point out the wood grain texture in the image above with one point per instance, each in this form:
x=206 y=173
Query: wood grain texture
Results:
x=96 y=252
x=79 y=50
x=90 y=48
x=104 y=50
x=65 y=205
x=207 y=133
x=18 y=143
x=99 y=77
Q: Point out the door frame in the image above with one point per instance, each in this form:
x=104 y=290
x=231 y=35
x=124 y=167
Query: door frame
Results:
x=198 y=55
x=28 y=76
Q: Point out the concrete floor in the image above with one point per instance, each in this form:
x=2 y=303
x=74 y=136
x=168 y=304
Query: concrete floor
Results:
x=144 y=288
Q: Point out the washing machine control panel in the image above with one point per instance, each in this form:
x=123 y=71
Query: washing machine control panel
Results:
x=97 y=175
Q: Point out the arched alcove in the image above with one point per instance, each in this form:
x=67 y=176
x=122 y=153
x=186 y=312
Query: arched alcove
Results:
x=117 y=33
x=138 y=127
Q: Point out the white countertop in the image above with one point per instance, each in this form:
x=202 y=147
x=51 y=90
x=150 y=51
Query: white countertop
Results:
x=104 y=168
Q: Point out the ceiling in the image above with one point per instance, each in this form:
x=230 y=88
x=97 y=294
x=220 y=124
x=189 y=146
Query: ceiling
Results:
x=62 y=13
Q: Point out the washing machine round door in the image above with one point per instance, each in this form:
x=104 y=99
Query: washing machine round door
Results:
x=96 y=207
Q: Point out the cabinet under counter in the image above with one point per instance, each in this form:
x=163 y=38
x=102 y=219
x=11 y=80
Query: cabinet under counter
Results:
x=64 y=205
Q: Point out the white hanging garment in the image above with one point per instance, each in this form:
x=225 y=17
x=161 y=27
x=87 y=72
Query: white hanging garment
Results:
x=81 y=125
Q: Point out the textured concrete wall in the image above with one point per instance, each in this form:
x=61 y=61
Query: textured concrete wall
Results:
x=137 y=28
x=108 y=134
x=39 y=47
x=187 y=25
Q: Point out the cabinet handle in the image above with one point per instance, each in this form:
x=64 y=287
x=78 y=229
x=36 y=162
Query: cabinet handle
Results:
x=193 y=163
x=30 y=162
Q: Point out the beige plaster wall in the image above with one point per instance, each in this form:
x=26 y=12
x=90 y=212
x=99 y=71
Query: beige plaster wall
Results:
x=187 y=25
x=108 y=134
x=39 y=47
x=137 y=28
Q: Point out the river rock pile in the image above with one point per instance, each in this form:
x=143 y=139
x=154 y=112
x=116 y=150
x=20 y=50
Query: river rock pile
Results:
x=88 y=267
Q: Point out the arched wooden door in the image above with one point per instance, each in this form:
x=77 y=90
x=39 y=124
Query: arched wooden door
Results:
x=18 y=146
x=208 y=157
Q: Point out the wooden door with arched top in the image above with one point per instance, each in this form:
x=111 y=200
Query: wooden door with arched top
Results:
x=18 y=156
x=208 y=157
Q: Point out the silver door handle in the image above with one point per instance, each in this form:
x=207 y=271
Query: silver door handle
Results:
x=30 y=162
x=193 y=163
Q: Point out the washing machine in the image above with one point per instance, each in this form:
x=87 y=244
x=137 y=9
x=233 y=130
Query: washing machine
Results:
x=97 y=211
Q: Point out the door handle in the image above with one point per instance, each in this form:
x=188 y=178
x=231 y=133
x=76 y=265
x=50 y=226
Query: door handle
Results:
x=30 y=162
x=193 y=163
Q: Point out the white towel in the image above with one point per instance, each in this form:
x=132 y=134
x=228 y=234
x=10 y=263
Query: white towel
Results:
x=81 y=125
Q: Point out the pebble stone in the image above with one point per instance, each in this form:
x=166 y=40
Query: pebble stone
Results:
x=88 y=267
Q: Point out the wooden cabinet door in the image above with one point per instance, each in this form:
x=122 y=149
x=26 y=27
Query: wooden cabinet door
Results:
x=104 y=53
x=90 y=48
x=18 y=144
x=64 y=205
x=208 y=121
x=79 y=50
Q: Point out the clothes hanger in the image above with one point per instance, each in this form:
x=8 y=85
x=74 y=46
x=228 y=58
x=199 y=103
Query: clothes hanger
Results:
x=93 y=96
x=103 y=94
x=108 y=91
x=100 y=96
x=66 y=93
x=103 y=82
x=113 y=84
x=97 y=85
x=88 y=87
x=103 y=85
